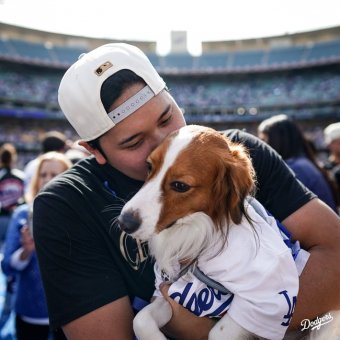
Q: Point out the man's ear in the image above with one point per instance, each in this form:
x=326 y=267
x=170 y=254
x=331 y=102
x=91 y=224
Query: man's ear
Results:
x=93 y=151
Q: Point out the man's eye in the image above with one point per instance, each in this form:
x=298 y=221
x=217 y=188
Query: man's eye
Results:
x=179 y=186
x=166 y=121
x=135 y=145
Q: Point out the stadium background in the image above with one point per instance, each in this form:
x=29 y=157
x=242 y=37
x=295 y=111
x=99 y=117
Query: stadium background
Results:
x=232 y=84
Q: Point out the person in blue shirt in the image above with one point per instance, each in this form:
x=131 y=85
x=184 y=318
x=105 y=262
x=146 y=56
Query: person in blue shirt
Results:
x=20 y=258
x=285 y=136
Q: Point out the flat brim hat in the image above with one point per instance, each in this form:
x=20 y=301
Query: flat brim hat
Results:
x=332 y=132
x=79 y=90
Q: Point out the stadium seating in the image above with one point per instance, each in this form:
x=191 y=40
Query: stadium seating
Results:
x=64 y=56
x=4 y=51
x=248 y=59
x=211 y=61
x=286 y=55
x=324 y=50
x=177 y=61
x=28 y=50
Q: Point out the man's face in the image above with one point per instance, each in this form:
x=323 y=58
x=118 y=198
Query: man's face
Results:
x=128 y=144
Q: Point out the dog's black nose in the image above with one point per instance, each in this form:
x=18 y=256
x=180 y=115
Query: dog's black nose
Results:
x=129 y=221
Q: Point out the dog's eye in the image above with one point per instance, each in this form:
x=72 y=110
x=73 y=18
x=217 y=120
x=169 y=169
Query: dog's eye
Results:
x=179 y=186
x=149 y=166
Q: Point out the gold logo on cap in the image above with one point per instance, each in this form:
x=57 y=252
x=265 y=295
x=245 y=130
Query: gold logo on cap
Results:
x=102 y=68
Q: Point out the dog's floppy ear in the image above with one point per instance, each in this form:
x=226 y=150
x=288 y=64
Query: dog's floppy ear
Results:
x=235 y=180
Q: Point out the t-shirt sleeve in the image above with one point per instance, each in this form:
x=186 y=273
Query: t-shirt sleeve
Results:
x=277 y=188
x=78 y=274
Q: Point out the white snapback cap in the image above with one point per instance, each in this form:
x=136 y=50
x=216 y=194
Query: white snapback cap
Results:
x=79 y=90
x=332 y=132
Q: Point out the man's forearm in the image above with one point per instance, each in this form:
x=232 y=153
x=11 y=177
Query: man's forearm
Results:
x=317 y=228
x=190 y=329
x=319 y=282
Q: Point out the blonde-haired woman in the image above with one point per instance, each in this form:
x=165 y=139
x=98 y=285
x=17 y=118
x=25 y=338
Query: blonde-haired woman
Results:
x=20 y=258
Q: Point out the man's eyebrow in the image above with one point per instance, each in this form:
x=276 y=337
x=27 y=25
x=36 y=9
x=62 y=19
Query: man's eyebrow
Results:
x=129 y=139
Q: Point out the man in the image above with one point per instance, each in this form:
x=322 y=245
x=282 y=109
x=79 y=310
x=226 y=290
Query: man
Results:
x=93 y=273
x=11 y=186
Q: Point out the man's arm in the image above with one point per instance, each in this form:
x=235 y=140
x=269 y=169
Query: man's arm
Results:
x=317 y=228
x=112 y=322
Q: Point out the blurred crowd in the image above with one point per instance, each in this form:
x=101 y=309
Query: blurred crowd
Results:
x=227 y=91
x=31 y=87
x=27 y=136
x=258 y=90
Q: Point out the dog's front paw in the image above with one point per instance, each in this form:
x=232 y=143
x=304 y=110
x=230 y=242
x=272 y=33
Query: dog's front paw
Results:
x=146 y=327
x=144 y=333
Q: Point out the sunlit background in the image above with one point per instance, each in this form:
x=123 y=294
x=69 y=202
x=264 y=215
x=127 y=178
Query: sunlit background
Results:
x=153 y=20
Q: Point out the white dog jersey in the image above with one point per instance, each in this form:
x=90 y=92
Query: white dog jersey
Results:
x=257 y=266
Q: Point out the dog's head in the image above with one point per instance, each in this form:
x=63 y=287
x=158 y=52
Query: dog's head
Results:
x=195 y=169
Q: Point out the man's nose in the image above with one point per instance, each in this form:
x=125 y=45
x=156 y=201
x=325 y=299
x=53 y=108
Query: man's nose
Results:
x=157 y=138
x=129 y=221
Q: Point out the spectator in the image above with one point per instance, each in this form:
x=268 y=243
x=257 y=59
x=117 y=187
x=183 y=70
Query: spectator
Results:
x=332 y=139
x=285 y=136
x=20 y=258
x=51 y=141
x=11 y=185
x=76 y=152
x=11 y=194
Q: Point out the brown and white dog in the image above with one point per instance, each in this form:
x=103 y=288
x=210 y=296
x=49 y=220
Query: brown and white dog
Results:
x=195 y=199
x=194 y=169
